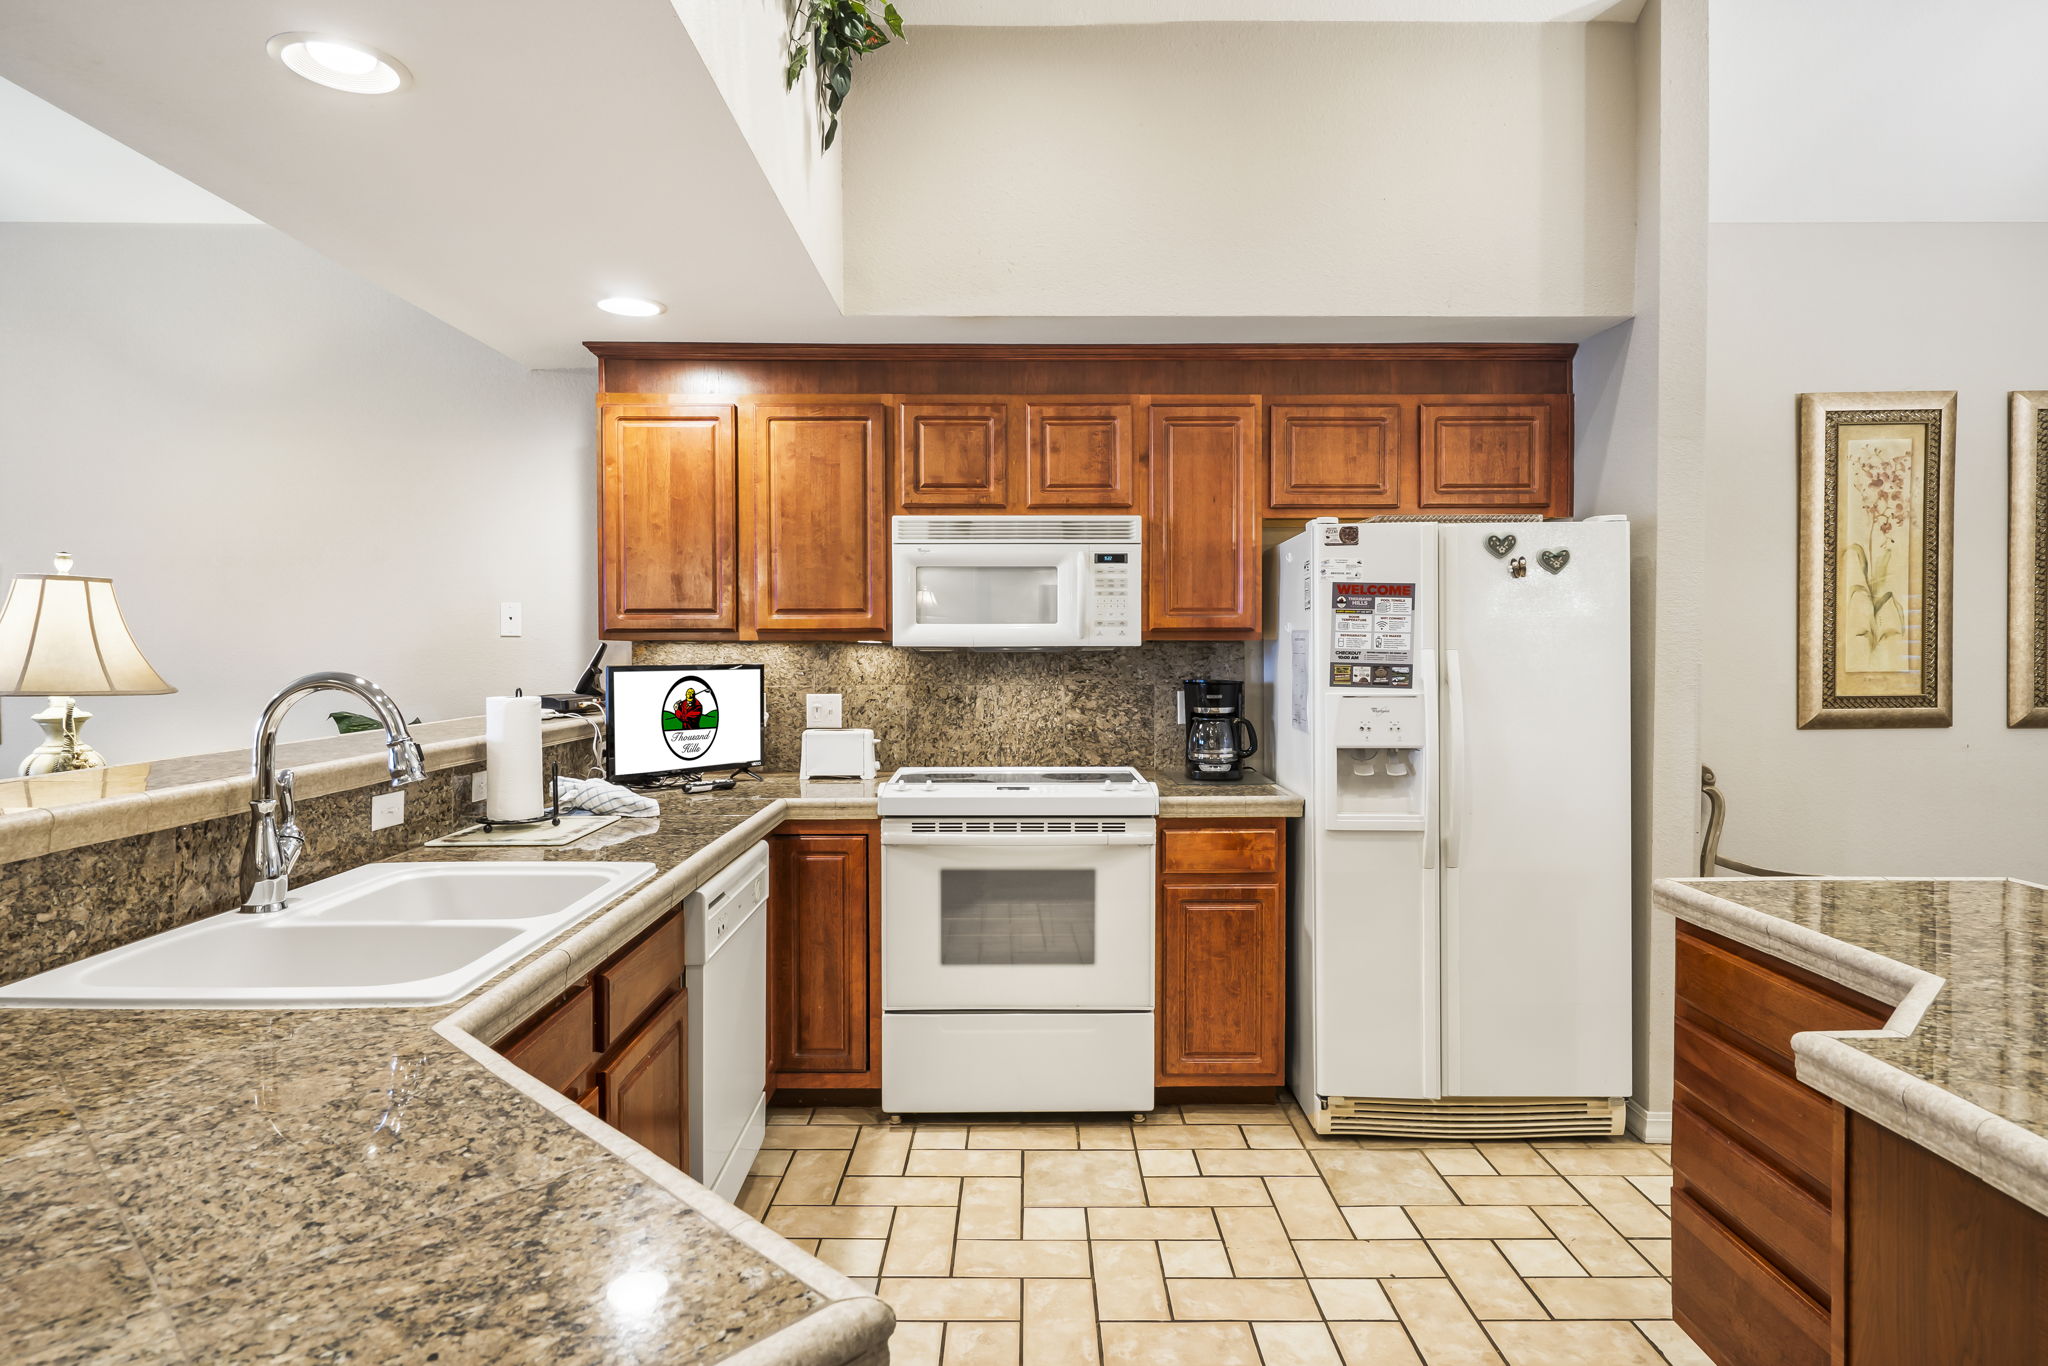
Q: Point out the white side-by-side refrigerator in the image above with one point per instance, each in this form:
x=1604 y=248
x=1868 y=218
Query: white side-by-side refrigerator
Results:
x=1452 y=700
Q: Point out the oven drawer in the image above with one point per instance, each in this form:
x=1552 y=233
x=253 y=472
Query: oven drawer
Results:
x=1050 y=1061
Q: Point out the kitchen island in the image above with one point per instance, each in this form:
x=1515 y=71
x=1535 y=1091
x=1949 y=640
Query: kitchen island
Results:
x=1908 y=1220
x=380 y=1184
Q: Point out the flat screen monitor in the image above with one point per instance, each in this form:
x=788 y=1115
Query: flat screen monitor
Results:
x=661 y=720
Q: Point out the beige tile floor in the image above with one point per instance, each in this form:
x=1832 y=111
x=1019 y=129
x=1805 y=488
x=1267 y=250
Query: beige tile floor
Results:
x=1231 y=1236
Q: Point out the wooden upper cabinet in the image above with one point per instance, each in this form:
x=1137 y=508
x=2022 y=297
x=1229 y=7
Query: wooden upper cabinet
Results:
x=1079 y=455
x=667 y=543
x=1486 y=452
x=1335 y=455
x=1202 y=539
x=818 y=531
x=953 y=454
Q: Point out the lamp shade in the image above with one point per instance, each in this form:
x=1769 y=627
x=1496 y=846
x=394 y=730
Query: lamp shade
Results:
x=62 y=635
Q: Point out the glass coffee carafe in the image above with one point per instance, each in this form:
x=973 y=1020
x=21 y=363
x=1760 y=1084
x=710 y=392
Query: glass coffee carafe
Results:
x=1219 y=737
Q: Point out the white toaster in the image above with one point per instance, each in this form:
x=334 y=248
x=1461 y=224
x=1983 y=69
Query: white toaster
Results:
x=838 y=754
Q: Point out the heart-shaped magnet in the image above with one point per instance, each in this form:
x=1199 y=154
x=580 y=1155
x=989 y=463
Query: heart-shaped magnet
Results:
x=1499 y=546
x=1554 y=560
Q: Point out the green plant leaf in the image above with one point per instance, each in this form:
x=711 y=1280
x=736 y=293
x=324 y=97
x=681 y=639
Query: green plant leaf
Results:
x=831 y=132
x=893 y=20
x=796 y=66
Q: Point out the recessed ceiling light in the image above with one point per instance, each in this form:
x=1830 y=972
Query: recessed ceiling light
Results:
x=339 y=64
x=633 y=308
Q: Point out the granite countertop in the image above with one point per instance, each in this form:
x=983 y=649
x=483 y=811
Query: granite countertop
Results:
x=189 y=1186
x=1962 y=1065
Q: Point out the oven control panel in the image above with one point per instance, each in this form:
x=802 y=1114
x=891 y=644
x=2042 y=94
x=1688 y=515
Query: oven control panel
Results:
x=1111 y=598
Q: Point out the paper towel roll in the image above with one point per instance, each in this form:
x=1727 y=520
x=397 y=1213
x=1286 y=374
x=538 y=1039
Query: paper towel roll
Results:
x=512 y=789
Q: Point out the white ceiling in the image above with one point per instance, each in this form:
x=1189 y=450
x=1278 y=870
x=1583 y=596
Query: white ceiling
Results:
x=56 y=169
x=1070 y=13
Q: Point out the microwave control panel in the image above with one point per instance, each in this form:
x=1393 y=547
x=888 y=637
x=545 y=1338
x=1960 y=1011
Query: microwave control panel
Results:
x=1113 y=609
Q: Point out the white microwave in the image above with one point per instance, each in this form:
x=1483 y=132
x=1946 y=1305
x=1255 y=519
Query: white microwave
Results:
x=1016 y=583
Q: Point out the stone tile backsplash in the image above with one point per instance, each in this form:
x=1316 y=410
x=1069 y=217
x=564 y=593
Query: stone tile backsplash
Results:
x=972 y=707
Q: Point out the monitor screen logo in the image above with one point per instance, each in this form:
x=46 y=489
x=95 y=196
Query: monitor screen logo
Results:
x=689 y=717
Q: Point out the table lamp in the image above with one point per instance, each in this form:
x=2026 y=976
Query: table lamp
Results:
x=62 y=637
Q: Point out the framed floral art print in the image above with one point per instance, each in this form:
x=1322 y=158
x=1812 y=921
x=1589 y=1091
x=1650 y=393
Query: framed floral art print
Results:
x=2026 y=616
x=1876 y=512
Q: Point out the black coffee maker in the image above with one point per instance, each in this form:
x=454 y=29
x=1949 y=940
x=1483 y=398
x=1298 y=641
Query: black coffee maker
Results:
x=1220 y=739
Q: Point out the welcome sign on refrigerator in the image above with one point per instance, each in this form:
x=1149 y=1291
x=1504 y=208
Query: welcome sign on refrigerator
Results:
x=1454 y=704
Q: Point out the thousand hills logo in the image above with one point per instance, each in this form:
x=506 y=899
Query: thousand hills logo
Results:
x=689 y=717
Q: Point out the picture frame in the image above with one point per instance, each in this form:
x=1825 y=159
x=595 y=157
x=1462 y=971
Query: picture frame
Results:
x=2026 y=617
x=1876 y=522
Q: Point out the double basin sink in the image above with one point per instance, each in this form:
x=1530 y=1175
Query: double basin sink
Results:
x=403 y=934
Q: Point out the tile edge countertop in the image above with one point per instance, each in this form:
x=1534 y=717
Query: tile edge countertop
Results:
x=1961 y=1068
x=234 y=1163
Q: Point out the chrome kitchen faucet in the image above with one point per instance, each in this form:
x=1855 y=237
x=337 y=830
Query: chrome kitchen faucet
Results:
x=274 y=844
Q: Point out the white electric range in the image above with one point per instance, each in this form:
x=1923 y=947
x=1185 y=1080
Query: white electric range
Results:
x=1017 y=909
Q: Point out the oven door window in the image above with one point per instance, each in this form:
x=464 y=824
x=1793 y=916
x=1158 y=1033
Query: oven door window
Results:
x=1017 y=917
x=988 y=595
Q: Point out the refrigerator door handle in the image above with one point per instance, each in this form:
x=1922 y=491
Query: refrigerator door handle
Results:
x=1427 y=659
x=1454 y=762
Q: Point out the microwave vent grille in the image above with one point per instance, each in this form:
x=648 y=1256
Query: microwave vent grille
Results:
x=1014 y=825
x=1017 y=530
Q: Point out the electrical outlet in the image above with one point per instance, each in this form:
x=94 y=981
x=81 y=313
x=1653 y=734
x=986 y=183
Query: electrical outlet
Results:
x=479 y=786
x=511 y=619
x=387 y=809
x=821 y=710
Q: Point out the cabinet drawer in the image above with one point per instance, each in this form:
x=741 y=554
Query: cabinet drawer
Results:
x=641 y=978
x=1736 y=1305
x=560 y=1047
x=1792 y=1123
x=1773 y=1213
x=1727 y=991
x=1220 y=849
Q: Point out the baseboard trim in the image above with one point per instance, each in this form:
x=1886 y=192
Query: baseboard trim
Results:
x=1648 y=1126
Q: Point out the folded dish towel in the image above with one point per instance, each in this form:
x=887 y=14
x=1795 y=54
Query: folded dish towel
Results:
x=603 y=799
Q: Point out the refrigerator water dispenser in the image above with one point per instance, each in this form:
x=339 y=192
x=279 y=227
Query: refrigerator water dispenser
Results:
x=1378 y=764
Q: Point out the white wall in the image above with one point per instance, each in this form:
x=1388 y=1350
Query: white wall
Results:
x=1428 y=170
x=1879 y=111
x=1814 y=307
x=283 y=468
x=1639 y=392
x=745 y=47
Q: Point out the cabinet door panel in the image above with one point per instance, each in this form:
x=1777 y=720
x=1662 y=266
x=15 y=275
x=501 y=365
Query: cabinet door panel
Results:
x=819 y=532
x=668 y=545
x=1496 y=454
x=953 y=454
x=646 y=1084
x=1330 y=456
x=1202 y=540
x=1221 y=982
x=819 y=954
x=1079 y=455
x=560 y=1046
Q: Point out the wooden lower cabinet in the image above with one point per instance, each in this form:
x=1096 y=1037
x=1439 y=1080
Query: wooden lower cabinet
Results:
x=646 y=1084
x=617 y=1042
x=1222 y=953
x=824 y=955
x=1755 y=1156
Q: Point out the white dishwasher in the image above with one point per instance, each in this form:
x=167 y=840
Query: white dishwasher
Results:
x=726 y=958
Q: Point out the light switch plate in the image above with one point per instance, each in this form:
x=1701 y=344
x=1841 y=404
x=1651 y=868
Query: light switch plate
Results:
x=511 y=619
x=387 y=809
x=821 y=710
